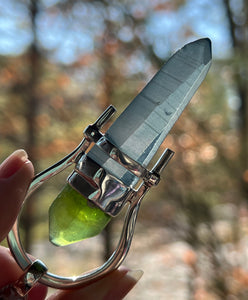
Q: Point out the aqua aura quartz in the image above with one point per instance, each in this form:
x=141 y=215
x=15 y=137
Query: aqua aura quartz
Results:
x=72 y=219
x=138 y=133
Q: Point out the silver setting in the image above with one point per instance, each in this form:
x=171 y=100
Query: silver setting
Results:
x=104 y=189
x=122 y=158
x=20 y=288
x=101 y=185
x=98 y=186
x=31 y=276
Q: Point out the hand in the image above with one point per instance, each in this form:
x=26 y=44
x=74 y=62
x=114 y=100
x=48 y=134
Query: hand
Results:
x=16 y=173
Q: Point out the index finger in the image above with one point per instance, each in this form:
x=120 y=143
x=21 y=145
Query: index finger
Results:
x=16 y=173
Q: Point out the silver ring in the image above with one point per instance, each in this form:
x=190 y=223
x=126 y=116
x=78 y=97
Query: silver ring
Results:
x=60 y=282
x=150 y=178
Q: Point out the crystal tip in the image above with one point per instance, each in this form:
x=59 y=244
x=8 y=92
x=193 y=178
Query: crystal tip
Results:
x=206 y=44
x=200 y=49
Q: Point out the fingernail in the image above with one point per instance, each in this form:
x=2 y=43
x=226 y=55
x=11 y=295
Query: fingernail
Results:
x=124 y=285
x=13 y=163
x=135 y=274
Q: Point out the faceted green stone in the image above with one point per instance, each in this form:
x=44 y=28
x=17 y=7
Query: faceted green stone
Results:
x=71 y=219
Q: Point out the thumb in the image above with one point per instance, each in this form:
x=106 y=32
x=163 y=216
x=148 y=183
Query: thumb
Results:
x=16 y=173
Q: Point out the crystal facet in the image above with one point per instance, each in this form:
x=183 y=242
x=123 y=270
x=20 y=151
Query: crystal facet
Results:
x=142 y=127
x=72 y=219
x=137 y=133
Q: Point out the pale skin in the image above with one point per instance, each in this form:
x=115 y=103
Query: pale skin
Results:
x=16 y=173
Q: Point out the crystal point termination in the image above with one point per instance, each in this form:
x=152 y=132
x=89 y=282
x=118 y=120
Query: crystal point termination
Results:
x=71 y=219
x=138 y=133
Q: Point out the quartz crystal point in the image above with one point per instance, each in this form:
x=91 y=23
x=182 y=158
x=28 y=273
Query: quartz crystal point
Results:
x=138 y=133
x=72 y=219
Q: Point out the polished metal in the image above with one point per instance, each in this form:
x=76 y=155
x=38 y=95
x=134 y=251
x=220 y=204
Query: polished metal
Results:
x=92 y=132
x=20 y=288
x=98 y=186
x=104 y=189
x=123 y=159
x=106 y=183
x=30 y=277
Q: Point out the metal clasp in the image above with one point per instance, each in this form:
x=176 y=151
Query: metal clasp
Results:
x=107 y=191
x=105 y=188
x=20 y=288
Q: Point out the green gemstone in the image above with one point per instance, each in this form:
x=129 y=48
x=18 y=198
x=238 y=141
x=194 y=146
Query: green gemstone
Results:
x=71 y=219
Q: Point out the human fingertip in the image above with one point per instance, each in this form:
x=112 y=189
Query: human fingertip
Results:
x=135 y=274
x=124 y=285
x=115 y=285
x=12 y=164
x=16 y=173
x=39 y=292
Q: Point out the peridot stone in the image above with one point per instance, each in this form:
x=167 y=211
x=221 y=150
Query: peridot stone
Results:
x=71 y=219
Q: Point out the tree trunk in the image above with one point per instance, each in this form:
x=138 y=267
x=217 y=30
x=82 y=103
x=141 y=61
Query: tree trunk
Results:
x=238 y=32
x=32 y=106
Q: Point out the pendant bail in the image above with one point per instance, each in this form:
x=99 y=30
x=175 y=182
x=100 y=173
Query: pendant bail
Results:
x=20 y=288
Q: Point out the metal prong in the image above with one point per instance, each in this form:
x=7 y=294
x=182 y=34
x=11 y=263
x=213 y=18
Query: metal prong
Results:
x=92 y=132
x=29 y=279
x=104 y=117
x=163 y=161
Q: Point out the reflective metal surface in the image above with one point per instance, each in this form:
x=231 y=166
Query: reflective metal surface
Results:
x=31 y=276
x=122 y=158
x=20 y=288
x=108 y=188
x=98 y=186
x=104 y=189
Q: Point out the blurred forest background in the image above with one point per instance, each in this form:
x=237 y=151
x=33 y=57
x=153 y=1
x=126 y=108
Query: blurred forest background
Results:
x=63 y=62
